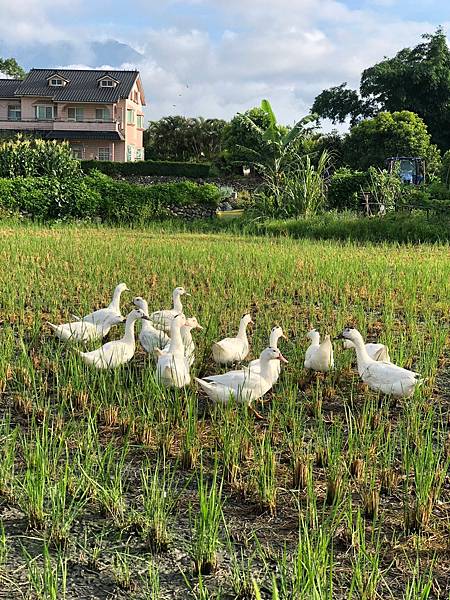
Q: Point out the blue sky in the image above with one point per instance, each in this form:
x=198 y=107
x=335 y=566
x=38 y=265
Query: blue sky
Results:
x=216 y=57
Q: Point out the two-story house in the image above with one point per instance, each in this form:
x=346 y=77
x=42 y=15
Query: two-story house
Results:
x=98 y=112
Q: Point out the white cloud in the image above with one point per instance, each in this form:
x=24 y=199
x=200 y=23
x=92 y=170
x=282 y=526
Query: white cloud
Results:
x=285 y=50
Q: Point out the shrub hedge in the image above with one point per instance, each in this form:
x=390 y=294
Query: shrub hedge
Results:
x=97 y=195
x=344 y=188
x=149 y=167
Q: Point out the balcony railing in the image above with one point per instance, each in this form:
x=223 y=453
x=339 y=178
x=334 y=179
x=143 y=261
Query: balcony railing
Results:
x=60 y=124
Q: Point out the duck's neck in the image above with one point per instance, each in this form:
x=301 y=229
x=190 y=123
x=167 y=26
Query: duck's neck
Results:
x=242 y=333
x=273 y=340
x=186 y=336
x=315 y=339
x=176 y=345
x=265 y=368
x=177 y=302
x=128 y=338
x=362 y=358
x=115 y=302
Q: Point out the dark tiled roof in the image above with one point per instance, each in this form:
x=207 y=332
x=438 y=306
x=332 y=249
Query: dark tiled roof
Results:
x=84 y=135
x=8 y=87
x=82 y=87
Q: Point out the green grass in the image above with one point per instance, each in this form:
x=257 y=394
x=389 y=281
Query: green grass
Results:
x=110 y=485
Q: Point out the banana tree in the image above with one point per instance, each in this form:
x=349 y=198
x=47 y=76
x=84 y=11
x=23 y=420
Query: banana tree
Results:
x=281 y=156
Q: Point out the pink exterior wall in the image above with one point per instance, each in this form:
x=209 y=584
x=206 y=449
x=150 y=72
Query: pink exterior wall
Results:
x=120 y=150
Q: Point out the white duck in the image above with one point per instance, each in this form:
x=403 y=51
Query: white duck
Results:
x=116 y=353
x=243 y=385
x=83 y=331
x=231 y=350
x=113 y=308
x=172 y=369
x=163 y=318
x=150 y=337
x=378 y=352
x=275 y=365
x=319 y=356
x=188 y=342
x=382 y=377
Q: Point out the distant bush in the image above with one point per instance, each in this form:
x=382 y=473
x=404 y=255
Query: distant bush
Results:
x=97 y=195
x=149 y=167
x=22 y=157
x=49 y=197
x=394 y=227
x=344 y=188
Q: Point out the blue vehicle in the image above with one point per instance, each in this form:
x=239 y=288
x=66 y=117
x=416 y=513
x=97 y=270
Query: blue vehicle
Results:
x=411 y=169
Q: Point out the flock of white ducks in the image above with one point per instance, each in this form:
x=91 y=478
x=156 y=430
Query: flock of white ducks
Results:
x=175 y=353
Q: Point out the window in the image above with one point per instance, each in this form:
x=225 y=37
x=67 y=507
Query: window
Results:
x=56 y=82
x=14 y=112
x=107 y=83
x=139 y=153
x=102 y=114
x=140 y=121
x=44 y=113
x=130 y=116
x=75 y=113
x=104 y=154
x=130 y=152
x=77 y=151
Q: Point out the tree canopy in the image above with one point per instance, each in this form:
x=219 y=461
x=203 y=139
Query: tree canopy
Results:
x=374 y=140
x=416 y=79
x=184 y=139
x=10 y=67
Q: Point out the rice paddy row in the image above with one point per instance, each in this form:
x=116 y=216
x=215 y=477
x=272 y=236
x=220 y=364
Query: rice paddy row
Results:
x=113 y=487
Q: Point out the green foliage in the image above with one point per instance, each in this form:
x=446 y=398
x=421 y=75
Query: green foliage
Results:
x=445 y=169
x=416 y=80
x=180 y=138
x=124 y=202
x=149 y=167
x=397 y=228
x=344 y=188
x=339 y=103
x=49 y=197
x=298 y=190
x=372 y=141
x=9 y=66
x=241 y=135
x=97 y=195
x=22 y=157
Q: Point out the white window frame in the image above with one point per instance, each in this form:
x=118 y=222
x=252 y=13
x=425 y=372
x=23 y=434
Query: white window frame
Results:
x=132 y=112
x=53 y=81
x=46 y=106
x=104 y=153
x=107 y=83
x=103 y=119
x=77 y=151
x=131 y=153
x=77 y=110
x=14 y=108
x=140 y=121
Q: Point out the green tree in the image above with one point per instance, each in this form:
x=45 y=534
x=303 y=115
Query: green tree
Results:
x=416 y=79
x=10 y=67
x=184 y=139
x=242 y=138
x=389 y=134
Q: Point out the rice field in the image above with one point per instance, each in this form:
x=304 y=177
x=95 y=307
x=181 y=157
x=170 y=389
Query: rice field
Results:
x=111 y=487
